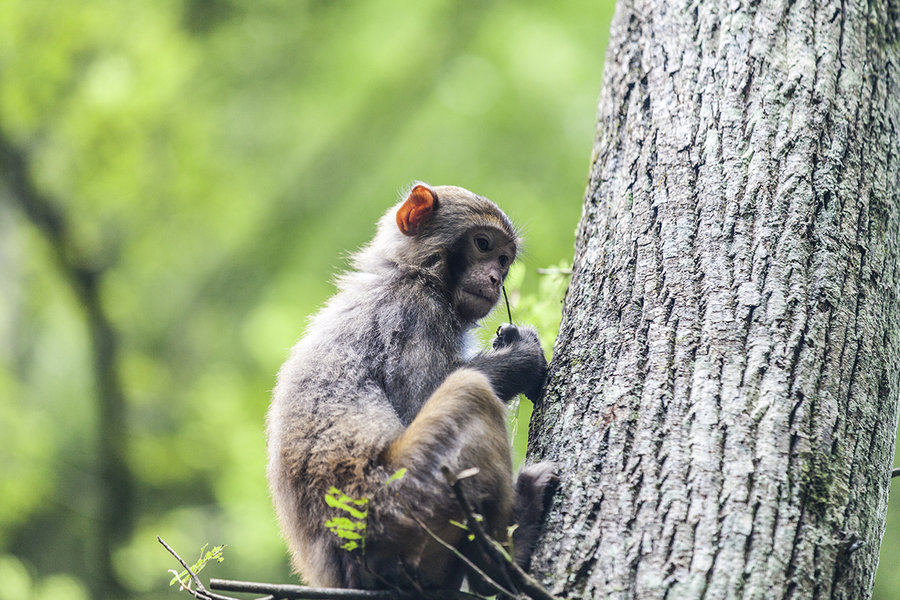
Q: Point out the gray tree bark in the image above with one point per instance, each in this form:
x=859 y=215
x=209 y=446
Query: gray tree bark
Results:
x=723 y=394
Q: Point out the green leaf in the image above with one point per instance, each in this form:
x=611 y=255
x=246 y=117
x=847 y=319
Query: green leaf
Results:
x=341 y=523
x=346 y=535
x=216 y=553
x=337 y=499
x=397 y=475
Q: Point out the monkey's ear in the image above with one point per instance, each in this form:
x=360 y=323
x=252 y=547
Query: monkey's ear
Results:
x=420 y=203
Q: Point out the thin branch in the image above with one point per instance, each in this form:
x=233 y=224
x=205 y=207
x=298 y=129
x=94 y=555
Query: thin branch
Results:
x=201 y=592
x=522 y=580
x=300 y=592
x=497 y=587
x=894 y=473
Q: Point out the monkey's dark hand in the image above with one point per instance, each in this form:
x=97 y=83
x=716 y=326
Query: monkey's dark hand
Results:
x=506 y=335
x=525 y=342
x=516 y=364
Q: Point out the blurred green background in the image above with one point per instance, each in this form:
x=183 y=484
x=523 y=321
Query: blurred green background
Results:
x=180 y=181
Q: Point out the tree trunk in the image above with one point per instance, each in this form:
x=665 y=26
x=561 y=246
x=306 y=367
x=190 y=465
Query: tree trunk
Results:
x=723 y=394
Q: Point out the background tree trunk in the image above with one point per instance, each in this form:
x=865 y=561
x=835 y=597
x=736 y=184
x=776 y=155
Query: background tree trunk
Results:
x=114 y=484
x=723 y=395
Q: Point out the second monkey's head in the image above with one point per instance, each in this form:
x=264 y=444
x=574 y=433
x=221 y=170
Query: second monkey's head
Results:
x=463 y=243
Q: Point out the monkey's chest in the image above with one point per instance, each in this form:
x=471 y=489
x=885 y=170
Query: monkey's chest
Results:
x=410 y=386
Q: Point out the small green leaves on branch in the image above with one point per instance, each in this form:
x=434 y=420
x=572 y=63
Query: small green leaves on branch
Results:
x=198 y=590
x=216 y=554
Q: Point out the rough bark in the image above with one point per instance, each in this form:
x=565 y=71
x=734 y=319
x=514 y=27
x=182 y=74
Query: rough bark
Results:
x=723 y=394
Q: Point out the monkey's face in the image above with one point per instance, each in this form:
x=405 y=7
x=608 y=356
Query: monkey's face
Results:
x=485 y=257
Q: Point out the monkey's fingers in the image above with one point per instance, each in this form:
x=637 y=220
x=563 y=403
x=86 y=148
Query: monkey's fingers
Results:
x=506 y=335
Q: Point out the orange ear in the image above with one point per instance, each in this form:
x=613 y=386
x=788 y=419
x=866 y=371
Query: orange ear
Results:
x=420 y=203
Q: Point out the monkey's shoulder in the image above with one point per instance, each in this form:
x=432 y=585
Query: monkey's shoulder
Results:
x=380 y=321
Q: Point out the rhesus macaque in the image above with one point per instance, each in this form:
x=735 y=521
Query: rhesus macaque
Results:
x=384 y=379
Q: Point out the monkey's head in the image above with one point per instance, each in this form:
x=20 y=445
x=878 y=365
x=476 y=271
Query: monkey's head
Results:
x=460 y=240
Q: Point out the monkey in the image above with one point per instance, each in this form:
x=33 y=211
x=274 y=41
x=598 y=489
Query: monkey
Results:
x=386 y=387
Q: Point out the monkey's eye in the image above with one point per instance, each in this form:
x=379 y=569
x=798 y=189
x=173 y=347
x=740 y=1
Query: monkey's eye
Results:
x=504 y=260
x=482 y=242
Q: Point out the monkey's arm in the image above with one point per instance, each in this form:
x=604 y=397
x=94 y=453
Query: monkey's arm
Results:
x=515 y=365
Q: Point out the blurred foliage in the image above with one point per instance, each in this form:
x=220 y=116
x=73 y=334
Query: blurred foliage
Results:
x=215 y=161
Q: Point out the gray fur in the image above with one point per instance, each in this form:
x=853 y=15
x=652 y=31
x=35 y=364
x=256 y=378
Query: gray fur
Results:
x=347 y=410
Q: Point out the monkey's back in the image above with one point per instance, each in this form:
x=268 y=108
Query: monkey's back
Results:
x=351 y=385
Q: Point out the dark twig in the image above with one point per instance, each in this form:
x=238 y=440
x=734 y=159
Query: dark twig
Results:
x=300 y=592
x=495 y=554
x=497 y=587
x=492 y=548
x=894 y=473
x=506 y=300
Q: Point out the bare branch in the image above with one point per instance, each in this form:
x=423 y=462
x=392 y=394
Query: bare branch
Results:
x=300 y=592
x=497 y=587
x=492 y=548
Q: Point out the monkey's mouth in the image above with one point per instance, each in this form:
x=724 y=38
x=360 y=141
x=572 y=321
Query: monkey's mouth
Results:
x=489 y=297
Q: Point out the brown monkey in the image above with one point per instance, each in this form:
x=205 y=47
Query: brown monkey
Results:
x=384 y=379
